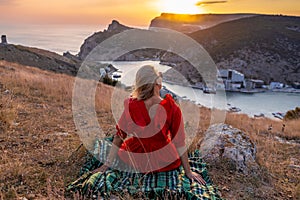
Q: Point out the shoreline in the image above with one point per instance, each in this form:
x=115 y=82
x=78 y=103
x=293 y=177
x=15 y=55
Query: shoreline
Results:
x=232 y=107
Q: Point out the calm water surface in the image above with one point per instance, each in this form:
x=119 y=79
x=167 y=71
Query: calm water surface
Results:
x=266 y=102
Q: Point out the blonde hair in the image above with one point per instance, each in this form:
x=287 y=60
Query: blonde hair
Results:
x=145 y=81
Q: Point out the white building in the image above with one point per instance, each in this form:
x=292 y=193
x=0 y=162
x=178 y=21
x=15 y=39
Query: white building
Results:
x=102 y=72
x=253 y=83
x=233 y=80
x=276 y=85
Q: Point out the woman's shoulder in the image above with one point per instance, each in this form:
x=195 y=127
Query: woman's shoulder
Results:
x=169 y=101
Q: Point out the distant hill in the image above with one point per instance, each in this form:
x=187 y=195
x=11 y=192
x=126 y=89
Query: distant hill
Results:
x=263 y=47
x=39 y=58
x=190 y=23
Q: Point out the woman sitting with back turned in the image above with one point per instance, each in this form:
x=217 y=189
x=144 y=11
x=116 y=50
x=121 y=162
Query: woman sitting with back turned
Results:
x=150 y=140
x=157 y=128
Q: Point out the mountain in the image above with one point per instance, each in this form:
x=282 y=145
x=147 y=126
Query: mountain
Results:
x=263 y=47
x=190 y=23
x=114 y=28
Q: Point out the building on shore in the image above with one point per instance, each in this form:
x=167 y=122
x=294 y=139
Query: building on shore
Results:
x=296 y=85
x=253 y=84
x=276 y=85
x=232 y=79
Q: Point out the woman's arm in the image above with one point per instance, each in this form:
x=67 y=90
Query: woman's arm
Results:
x=117 y=142
x=186 y=166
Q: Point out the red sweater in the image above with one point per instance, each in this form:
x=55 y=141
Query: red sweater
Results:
x=150 y=144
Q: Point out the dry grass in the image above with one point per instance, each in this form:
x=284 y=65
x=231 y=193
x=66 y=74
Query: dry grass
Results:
x=39 y=140
x=277 y=179
x=7 y=111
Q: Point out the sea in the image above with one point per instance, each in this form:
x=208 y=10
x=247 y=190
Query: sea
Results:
x=62 y=38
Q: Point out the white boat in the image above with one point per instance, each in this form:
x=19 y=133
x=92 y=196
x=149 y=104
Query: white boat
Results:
x=208 y=90
x=278 y=115
x=234 y=109
x=116 y=75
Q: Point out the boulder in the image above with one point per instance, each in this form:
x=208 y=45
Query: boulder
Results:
x=221 y=141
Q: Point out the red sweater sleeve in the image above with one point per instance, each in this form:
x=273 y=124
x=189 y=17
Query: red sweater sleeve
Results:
x=177 y=127
x=122 y=123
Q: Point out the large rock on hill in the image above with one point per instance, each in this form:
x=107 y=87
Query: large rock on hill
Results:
x=91 y=42
x=114 y=28
x=221 y=141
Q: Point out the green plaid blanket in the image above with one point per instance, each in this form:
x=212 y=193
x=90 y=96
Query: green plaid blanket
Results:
x=161 y=185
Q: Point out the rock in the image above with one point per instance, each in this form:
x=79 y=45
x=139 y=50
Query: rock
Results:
x=221 y=141
x=71 y=56
x=116 y=26
x=92 y=41
x=31 y=196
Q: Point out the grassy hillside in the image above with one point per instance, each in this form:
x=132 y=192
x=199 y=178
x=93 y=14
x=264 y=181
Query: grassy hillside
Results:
x=39 y=58
x=41 y=150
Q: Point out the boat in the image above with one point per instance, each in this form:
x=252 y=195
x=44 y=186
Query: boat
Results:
x=259 y=115
x=116 y=75
x=234 y=109
x=208 y=90
x=278 y=115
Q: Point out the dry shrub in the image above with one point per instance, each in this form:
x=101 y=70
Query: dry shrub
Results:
x=292 y=114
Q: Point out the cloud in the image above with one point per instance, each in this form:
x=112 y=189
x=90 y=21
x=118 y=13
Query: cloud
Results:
x=201 y=3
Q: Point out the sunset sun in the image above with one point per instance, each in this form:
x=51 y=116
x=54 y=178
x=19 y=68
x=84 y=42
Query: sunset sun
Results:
x=180 y=6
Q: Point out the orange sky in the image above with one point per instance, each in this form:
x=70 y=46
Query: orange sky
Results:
x=131 y=12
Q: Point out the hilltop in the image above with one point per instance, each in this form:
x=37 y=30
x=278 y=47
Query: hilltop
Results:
x=39 y=58
x=190 y=23
x=263 y=47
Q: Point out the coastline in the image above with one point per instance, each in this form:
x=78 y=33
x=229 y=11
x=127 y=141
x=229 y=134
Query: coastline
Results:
x=235 y=101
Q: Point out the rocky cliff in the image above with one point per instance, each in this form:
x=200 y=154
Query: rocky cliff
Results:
x=91 y=42
x=114 y=28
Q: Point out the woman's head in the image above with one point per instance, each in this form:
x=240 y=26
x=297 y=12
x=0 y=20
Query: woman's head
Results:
x=147 y=77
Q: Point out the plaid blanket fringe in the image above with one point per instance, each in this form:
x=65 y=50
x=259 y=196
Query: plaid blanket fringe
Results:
x=161 y=185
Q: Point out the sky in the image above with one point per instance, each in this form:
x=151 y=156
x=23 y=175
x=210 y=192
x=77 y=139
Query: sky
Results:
x=130 y=12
